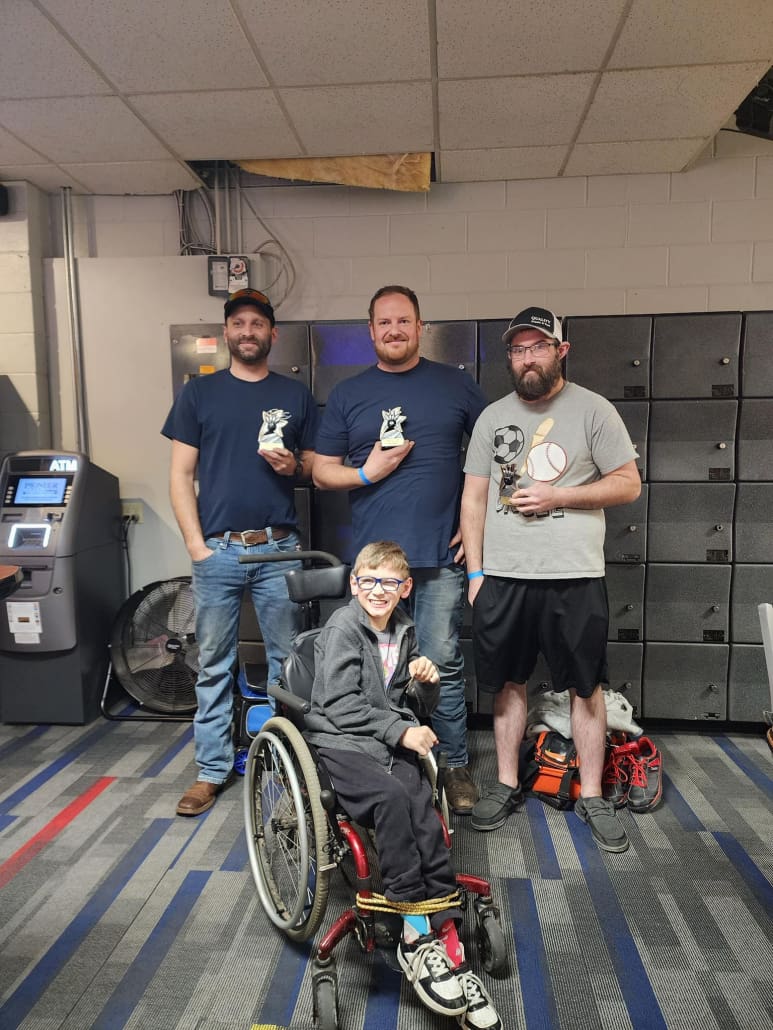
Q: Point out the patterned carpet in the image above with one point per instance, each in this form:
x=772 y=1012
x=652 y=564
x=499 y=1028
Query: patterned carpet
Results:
x=116 y=913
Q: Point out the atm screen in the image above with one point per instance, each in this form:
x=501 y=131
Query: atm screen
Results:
x=38 y=490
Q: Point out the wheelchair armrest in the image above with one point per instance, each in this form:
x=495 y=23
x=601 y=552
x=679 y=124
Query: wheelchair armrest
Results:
x=291 y=701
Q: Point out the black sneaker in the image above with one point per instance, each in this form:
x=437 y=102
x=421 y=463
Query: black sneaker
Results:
x=496 y=804
x=616 y=778
x=646 y=787
x=600 y=816
x=428 y=967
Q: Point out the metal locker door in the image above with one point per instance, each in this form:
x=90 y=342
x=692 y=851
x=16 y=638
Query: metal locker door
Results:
x=690 y=522
x=692 y=441
x=333 y=523
x=748 y=695
x=696 y=355
x=610 y=355
x=451 y=343
x=636 y=416
x=755 y=440
x=752 y=585
x=625 y=590
x=685 y=681
x=754 y=523
x=493 y=374
x=625 y=665
x=338 y=350
x=757 y=375
x=626 y=533
x=290 y=355
x=689 y=603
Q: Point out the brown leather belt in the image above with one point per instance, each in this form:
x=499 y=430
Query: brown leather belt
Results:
x=250 y=537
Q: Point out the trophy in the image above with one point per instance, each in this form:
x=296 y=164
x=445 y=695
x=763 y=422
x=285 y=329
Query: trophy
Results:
x=270 y=436
x=391 y=427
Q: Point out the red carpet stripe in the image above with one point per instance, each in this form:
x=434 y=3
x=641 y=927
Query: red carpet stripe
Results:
x=35 y=845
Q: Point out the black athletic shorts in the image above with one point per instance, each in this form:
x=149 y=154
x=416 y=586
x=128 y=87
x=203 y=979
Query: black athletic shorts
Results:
x=566 y=619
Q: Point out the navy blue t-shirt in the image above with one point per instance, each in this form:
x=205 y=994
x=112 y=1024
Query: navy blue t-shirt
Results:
x=222 y=416
x=417 y=505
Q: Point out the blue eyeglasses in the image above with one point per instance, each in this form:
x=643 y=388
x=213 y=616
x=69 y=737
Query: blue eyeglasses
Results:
x=390 y=585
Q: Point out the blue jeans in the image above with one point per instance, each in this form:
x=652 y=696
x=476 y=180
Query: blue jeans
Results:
x=218 y=585
x=436 y=605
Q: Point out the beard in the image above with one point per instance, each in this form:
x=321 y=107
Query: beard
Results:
x=535 y=382
x=257 y=348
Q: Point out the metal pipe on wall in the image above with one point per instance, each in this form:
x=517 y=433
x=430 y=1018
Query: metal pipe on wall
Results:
x=73 y=310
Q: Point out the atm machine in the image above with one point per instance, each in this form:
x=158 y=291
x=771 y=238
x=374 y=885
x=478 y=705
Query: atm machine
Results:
x=60 y=522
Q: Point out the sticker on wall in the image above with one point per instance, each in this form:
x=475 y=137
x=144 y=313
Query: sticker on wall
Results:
x=206 y=345
x=206 y=370
x=24 y=621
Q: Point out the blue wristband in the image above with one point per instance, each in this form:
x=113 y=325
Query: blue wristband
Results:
x=363 y=477
x=475 y=575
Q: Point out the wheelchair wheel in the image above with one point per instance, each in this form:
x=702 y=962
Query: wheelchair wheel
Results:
x=491 y=941
x=287 y=829
x=430 y=771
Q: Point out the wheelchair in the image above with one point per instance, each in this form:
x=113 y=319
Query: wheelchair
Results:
x=297 y=833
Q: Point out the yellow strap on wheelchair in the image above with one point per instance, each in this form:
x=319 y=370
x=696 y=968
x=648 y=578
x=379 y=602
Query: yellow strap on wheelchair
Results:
x=378 y=903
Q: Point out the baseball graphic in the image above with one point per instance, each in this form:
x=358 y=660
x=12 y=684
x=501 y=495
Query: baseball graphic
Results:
x=546 y=462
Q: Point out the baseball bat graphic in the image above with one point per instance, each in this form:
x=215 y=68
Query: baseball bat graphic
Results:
x=542 y=431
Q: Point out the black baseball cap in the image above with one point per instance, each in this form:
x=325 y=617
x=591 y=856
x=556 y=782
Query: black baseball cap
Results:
x=254 y=298
x=535 y=318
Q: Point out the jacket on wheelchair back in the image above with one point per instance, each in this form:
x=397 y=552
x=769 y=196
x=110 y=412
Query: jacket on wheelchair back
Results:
x=350 y=708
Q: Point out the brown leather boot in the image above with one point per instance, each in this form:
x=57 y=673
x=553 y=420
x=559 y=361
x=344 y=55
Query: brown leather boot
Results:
x=199 y=798
x=461 y=792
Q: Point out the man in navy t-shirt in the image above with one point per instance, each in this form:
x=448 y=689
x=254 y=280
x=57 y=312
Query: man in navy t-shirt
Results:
x=250 y=434
x=401 y=424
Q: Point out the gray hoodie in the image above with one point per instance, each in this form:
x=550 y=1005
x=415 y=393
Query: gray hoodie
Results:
x=351 y=709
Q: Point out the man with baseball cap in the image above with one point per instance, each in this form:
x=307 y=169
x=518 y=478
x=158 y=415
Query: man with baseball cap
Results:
x=250 y=434
x=542 y=464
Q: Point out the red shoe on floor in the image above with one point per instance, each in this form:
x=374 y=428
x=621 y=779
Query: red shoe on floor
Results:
x=646 y=789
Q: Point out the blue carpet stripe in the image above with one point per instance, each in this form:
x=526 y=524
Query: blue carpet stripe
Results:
x=20 y=743
x=172 y=752
x=533 y=969
x=26 y=995
x=749 y=871
x=280 y=1002
x=547 y=859
x=635 y=987
x=6 y=820
x=237 y=858
x=48 y=773
x=383 y=1003
x=676 y=804
x=746 y=765
x=128 y=993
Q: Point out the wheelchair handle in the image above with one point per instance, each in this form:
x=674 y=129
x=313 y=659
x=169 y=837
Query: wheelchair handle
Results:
x=321 y=556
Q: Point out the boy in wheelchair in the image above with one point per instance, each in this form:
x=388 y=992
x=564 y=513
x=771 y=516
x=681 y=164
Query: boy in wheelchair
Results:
x=367 y=673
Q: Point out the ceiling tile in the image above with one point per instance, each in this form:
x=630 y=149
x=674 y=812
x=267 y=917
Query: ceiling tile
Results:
x=386 y=118
x=13 y=151
x=505 y=163
x=658 y=33
x=97 y=129
x=48 y=178
x=136 y=177
x=37 y=61
x=348 y=41
x=632 y=158
x=503 y=38
x=666 y=103
x=232 y=124
x=530 y=111
x=149 y=46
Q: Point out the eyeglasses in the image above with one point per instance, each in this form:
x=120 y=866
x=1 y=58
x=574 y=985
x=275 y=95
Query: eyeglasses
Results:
x=541 y=347
x=390 y=585
x=246 y=294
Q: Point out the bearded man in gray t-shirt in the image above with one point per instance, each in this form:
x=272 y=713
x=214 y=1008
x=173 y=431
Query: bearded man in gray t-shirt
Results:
x=542 y=464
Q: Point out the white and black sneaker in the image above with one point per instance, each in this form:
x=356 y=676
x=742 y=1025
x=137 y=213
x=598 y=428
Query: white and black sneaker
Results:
x=429 y=969
x=480 y=1014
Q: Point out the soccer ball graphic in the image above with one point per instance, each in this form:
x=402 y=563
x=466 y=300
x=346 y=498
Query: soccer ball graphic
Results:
x=508 y=444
